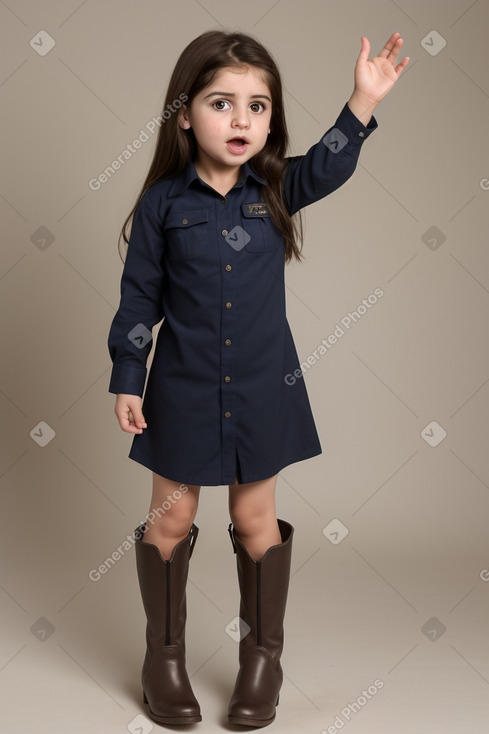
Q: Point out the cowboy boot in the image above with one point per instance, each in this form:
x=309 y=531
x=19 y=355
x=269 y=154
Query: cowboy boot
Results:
x=166 y=685
x=263 y=586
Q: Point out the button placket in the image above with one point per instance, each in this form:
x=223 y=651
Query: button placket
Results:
x=228 y=321
x=224 y=224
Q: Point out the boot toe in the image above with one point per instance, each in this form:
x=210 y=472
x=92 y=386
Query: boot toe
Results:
x=166 y=711
x=256 y=692
x=167 y=688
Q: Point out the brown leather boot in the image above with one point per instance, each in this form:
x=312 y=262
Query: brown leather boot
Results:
x=264 y=586
x=166 y=685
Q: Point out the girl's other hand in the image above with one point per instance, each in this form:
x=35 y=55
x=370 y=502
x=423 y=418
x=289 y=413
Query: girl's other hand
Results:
x=129 y=413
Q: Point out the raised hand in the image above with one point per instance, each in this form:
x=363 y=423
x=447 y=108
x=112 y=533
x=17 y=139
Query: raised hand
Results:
x=374 y=78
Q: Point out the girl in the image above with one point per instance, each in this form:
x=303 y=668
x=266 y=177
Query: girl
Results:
x=212 y=230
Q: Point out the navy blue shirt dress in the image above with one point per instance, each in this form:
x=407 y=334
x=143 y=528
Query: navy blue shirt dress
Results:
x=217 y=402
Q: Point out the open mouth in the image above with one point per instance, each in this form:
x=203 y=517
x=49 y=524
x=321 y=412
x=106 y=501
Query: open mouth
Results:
x=237 y=145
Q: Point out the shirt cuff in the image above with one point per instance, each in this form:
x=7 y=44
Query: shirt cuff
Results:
x=354 y=130
x=127 y=380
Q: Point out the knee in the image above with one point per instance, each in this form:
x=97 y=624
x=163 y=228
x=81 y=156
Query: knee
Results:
x=249 y=520
x=173 y=516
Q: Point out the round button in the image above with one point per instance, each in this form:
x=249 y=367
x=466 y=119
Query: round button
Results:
x=228 y=304
x=228 y=342
x=224 y=232
x=228 y=268
x=223 y=201
x=184 y=221
x=227 y=414
x=227 y=379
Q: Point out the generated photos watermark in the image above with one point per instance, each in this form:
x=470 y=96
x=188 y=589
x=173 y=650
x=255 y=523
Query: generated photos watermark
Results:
x=351 y=318
x=97 y=573
x=97 y=182
x=352 y=709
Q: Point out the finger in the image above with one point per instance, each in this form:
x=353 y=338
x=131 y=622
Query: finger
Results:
x=138 y=418
x=128 y=425
x=395 y=50
x=127 y=421
x=390 y=45
x=130 y=428
x=402 y=65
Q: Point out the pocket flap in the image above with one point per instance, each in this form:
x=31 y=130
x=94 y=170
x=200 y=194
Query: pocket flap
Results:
x=186 y=219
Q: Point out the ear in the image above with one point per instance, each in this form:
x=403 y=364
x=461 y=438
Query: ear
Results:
x=183 y=118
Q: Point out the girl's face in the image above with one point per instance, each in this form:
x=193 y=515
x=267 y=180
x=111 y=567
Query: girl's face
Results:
x=230 y=119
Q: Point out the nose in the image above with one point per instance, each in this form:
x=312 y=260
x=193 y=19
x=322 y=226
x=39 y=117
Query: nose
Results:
x=241 y=117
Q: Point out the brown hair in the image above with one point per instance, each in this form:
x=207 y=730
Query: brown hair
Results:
x=195 y=69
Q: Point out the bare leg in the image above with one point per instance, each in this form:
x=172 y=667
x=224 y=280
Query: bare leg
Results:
x=172 y=511
x=253 y=514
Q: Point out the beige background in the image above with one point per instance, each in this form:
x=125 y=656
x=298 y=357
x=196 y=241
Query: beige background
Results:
x=417 y=515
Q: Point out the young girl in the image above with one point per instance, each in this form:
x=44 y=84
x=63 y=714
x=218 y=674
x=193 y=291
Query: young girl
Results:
x=211 y=233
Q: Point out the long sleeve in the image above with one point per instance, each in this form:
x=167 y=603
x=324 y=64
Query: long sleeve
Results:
x=328 y=163
x=141 y=302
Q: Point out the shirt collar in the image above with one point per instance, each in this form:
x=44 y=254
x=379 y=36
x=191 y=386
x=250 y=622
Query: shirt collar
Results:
x=188 y=174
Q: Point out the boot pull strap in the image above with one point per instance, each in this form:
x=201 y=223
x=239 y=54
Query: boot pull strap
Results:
x=230 y=531
x=139 y=532
x=194 y=531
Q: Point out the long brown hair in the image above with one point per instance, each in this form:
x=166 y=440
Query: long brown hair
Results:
x=195 y=69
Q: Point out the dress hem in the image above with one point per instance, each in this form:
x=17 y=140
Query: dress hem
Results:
x=245 y=478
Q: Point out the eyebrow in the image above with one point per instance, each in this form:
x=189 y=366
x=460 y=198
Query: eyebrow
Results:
x=231 y=94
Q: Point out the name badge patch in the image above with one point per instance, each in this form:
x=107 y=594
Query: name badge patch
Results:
x=256 y=210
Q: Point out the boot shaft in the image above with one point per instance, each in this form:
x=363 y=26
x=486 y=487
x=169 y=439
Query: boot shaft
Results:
x=264 y=588
x=163 y=586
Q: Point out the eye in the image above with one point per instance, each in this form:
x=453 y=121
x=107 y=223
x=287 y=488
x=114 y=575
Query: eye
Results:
x=217 y=104
x=257 y=104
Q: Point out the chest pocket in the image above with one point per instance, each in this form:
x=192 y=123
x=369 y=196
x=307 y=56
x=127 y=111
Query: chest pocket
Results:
x=260 y=227
x=187 y=234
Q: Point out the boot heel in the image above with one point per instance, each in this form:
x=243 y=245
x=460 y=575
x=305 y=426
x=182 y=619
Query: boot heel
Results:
x=144 y=698
x=278 y=698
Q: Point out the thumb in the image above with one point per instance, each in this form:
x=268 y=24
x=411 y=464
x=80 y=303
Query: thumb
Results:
x=365 y=50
